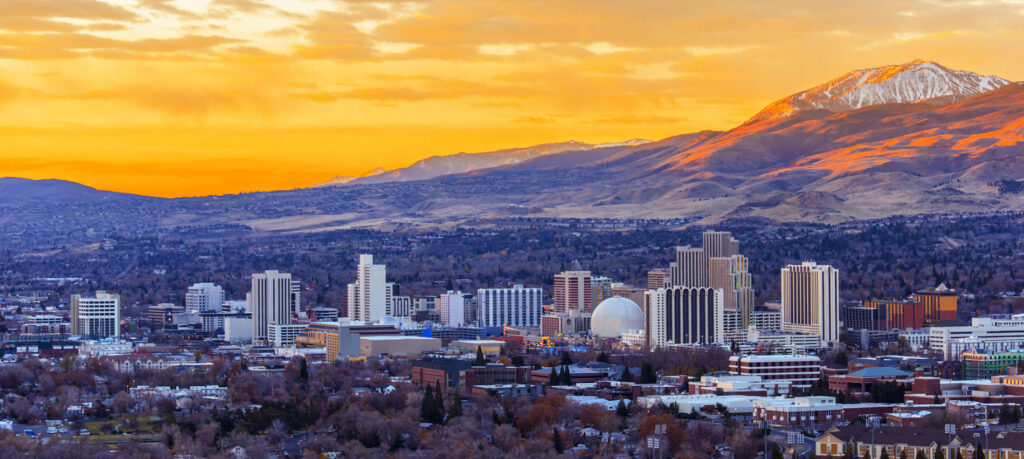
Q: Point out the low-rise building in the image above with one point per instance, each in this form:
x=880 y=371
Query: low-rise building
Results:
x=800 y=370
x=862 y=441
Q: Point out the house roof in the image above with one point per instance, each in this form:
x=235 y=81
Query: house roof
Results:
x=879 y=372
x=923 y=437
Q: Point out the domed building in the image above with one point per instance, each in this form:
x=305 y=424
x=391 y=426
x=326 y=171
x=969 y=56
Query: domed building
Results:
x=615 y=316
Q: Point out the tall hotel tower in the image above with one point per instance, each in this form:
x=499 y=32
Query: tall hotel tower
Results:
x=369 y=295
x=810 y=300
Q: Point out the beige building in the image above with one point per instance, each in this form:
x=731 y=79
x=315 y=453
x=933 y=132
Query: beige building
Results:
x=397 y=345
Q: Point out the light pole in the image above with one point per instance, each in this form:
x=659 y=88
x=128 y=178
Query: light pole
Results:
x=873 y=422
x=950 y=431
x=986 y=437
x=764 y=430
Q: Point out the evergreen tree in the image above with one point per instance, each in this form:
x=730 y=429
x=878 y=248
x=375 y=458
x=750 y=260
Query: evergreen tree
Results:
x=939 y=454
x=686 y=385
x=553 y=378
x=566 y=360
x=566 y=376
x=867 y=454
x=626 y=375
x=303 y=371
x=776 y=452
x=455 y=410
x=920 y=455
x=480 y=360
x=903 y=454
x=978 y=452
x=621 y=409
x=647 y=375
x=603 y=357
x=426 y=409
x=557 y=438
x=884 y=455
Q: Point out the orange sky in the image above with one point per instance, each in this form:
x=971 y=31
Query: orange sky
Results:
x=195 y=97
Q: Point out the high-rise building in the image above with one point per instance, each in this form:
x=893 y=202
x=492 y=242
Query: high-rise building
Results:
x=718 y=265
x=810 y=300
x=658 y=278
x=600 y=289
x=452 y=308
x=368 y=295
x=690 y=268
x=270 y=302
x=204 y=297
x=516 y=307
x=96 y=317
x=296 y=296
x=939 y=303
x=720 y=244
x=732 y=275
x=683 y=315
x=573 y=292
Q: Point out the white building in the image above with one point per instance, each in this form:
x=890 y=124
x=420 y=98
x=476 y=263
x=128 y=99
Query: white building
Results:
x=401 y=306
x=97 y=317
x=238 y=329
x=271 y=298
x=105 y=348
x=684 y=315
x=283 y=335
x=204 y=297
x=516 y=307
x=801 y=370
x=810 y=300
x=235 y=306
x=452 y=308
x=984 y=335
x=368 y=296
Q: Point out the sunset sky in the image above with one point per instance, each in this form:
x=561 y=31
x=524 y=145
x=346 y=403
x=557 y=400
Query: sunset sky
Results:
x=196 y=97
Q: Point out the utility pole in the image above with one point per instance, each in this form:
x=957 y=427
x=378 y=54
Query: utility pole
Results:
x=873 y=422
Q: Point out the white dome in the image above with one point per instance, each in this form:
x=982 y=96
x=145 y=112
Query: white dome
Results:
x=615 y=316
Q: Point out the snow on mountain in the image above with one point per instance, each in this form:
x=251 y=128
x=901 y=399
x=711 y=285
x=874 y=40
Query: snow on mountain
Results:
x=916 y=81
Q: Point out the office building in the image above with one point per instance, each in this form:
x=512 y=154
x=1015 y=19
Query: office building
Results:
x=572 y=292
x=368 y=296
x=800 y=370
x=235 y=306
x=452 y=308
x=271 y=302
x=810 y=300
x=684 y=315
x=985 y=334
x=732 y=275
x=565 y=323
x=204 y=297
x=160 y=316
x=96 y=317
x=940 y=303
x=767 y=320
x=283 y=335
x=214 y=321
x=515 y=307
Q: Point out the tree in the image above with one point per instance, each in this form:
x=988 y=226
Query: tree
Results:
x=776 y=452
x=920 y=455
x=884 y=455
x=557 y=439
x=647 y=375
x=480 y=360
x=621 y=409
x=553 y=377
x=903 y=454
x=978 y=452
x=626 y=375
x=939 y=454
x=603 y=357
x=455 y=410
x=431 y=409
x=303 y=370
x=566 y=359
x=867 y=454
x=565 y=378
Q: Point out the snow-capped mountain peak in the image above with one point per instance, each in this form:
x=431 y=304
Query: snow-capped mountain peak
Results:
x=915 y=81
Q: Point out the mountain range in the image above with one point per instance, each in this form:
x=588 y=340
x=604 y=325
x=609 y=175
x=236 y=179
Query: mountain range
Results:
x=913 y=138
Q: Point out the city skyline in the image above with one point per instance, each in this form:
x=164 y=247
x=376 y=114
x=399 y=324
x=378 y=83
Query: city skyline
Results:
x=292 y=94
